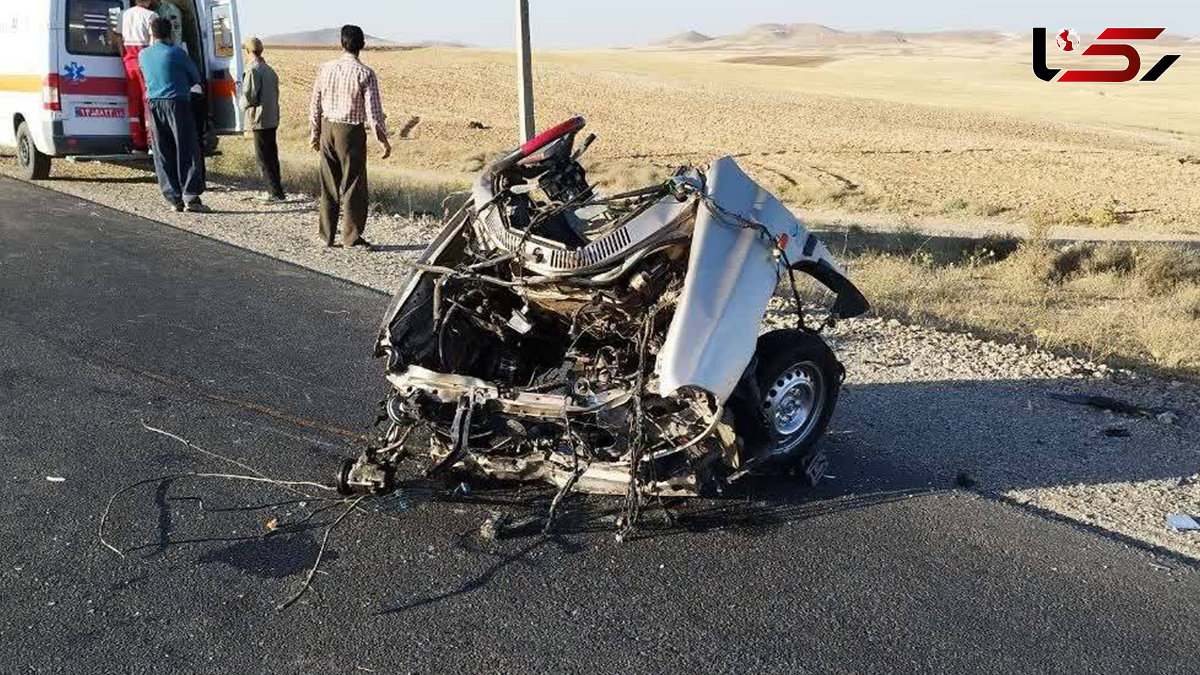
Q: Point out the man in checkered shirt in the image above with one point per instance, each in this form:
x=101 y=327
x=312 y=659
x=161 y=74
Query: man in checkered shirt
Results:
x=345 y=102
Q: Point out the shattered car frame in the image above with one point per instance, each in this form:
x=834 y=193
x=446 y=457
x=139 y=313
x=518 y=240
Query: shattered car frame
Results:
x=609 y=344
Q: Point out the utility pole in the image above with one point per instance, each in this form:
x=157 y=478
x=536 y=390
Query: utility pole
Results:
x=525 y=72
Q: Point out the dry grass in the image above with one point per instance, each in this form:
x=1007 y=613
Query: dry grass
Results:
x=991 y=210
x=1043 y=219
x=393 y=190
x=1137 y=304
x=955 y=205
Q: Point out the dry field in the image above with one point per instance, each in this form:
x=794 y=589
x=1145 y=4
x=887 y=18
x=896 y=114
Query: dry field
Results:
x=939 y=131
x=1130 y=304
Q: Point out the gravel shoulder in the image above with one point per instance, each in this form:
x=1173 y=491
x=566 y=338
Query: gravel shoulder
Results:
x=922 y=409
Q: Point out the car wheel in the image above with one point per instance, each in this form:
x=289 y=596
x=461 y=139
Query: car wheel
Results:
x=795 y=389
x=33 y=164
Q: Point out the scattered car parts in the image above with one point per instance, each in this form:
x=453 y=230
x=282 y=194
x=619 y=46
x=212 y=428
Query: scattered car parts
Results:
x=609 y=344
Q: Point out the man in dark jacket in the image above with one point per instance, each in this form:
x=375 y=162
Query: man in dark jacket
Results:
x=260 y=100
x=170 y=76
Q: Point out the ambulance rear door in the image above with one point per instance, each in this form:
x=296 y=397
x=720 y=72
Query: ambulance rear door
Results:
x=91 y=75
x=225 y=64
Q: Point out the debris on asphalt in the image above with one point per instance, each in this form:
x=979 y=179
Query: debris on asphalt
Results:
x=303 y=489
x=1168 y=417
x=56 y=479
x=1182 y=523
x=493 y=528
x=1115 y=432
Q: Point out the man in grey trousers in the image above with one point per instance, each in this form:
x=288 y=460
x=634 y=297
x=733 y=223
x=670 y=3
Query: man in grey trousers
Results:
x=170 y=76
x=260 y=100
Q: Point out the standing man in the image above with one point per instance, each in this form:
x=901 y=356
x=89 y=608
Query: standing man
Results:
x=136 y=36
x=345 y=101
x=170 y=76
x=260 y=100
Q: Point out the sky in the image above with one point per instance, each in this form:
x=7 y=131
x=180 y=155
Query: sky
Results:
x=566 y=23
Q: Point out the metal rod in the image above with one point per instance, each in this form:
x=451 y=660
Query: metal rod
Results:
x=525 y=72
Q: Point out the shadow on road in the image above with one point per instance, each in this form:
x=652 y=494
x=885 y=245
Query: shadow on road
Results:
x=780 y=503
x=890 y=442
x=480 y=582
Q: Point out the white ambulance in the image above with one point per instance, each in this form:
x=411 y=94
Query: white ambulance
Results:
x=62 y=81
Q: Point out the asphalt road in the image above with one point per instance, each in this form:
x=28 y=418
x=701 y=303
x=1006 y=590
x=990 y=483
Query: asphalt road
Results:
x=108 y=322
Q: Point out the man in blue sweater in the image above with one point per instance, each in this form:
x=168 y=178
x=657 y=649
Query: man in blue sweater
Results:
x=170 y=76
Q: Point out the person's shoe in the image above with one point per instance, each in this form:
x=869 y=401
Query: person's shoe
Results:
x=197 y=206
x=363 y=244
x=178 y=206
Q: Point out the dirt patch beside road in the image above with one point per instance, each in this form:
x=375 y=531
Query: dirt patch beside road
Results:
x=923 y=409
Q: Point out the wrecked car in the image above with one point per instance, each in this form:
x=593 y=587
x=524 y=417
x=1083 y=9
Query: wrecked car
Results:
x=610 y=344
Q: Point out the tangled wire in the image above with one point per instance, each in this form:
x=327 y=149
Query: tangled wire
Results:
x=778 y=248
x=299 y=488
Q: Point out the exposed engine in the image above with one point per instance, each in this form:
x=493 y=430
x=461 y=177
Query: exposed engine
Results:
x=609 y=344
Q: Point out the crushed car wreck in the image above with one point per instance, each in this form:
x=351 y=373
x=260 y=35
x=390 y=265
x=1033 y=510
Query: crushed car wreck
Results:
x=609 y=344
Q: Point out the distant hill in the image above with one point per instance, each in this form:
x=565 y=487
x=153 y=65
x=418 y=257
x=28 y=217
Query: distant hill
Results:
x=325 y=36
x=442 y=43
x=974 y=36
x=689 y=39
x=808 y=35
x=815 y=36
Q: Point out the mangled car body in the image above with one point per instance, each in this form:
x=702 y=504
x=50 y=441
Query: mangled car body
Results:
x=610 y=344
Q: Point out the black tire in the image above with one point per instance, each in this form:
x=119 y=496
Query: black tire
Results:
x=31 y=162
x=795 y=369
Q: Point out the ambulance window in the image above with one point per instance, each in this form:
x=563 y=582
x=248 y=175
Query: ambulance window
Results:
x=222 y=19
x=92 y=26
